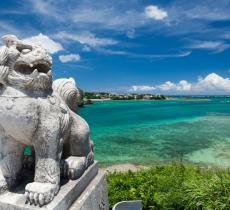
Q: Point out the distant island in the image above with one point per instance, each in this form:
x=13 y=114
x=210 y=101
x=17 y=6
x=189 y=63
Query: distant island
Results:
x=89 y=97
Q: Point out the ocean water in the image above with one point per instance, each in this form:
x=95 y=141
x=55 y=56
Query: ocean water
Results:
x=147 y=132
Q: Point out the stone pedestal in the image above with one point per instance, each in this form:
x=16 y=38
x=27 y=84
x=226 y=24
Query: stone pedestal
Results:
x=94 y=197
x=87 y=193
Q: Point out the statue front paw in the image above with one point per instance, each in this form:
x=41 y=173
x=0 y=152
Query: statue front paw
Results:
x=3 y=186
x=40 y=193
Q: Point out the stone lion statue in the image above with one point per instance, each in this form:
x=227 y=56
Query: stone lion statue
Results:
x=38 y=112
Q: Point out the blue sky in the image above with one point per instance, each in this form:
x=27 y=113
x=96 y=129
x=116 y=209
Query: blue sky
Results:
x=164 y=46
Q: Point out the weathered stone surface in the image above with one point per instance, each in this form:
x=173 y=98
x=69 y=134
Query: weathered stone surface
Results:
x=95 y=196
x=69 y=192
x=38 y=112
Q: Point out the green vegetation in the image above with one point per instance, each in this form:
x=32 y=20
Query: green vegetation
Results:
x=80 y=101
x=91 y=95
x=122 y=97
x=175 y=186
x=103 y=95
x=84 y=98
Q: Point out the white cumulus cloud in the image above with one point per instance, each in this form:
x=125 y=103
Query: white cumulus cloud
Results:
x=154 y=12
x=141 y=88
x=44 y=41
x=70 y=57
x=183 y=85
x=167 y=86
x=212 y=83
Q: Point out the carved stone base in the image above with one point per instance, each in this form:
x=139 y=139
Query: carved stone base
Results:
x=89 y=190
x=94 y=197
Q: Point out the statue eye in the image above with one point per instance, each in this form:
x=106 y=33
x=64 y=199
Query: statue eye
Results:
x=25 y=51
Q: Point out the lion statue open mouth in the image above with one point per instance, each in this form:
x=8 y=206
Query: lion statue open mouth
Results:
x=32 y=68
x=38 y=112
x=30 y=64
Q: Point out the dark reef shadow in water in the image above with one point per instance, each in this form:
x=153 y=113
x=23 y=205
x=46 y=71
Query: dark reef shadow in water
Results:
x=164 y=142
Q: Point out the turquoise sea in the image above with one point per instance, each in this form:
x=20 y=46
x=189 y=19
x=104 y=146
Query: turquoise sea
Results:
x=146 y=132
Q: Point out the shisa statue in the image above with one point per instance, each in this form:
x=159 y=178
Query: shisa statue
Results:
x=38 y=112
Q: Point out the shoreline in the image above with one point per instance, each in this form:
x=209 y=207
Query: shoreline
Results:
x=168 y=99
x=125 y=167
x=100 y=99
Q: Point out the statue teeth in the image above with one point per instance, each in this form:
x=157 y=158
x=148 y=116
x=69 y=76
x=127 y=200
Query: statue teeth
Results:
x=49 y=73
x=34 y=73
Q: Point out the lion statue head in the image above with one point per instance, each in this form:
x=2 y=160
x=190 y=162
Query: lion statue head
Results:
x=24 y=66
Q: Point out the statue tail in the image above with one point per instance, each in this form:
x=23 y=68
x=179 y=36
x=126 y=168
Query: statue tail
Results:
x=67 y=90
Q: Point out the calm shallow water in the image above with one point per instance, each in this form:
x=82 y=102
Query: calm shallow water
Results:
x=152 y=131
